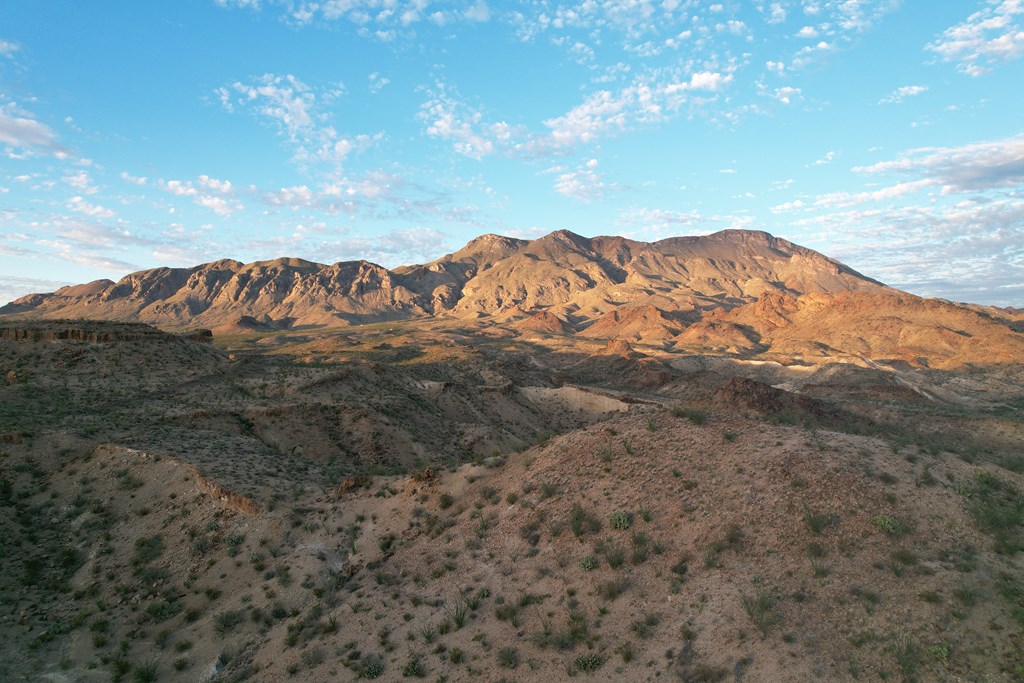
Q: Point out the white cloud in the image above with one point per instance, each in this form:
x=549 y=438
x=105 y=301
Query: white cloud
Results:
x=991 y=35
x=219 y=205
x=973 y=167
x=13 y=287
x=479 y=11
x=8 y=48
x=252 y=4
x=19 y=131
x=807 y=32
x=372 y=18
x=134 y=180
x=786 y=207
x=967 y=249
x=786 y=94
x=212 y=193
x=901 y=93
x=829 y=157
x=845 y=199
x=296 y=111
x=584 y=182
x=604 y=112
x=776 y=13
x=79 y=205
x=653 y=223
x=377 y=82
x=449 y=119
x=221 y=186
x=81 y=182
x=181 y=188
x=809 y=54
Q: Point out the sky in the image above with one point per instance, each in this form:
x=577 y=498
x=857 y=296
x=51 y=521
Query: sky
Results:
x=886 y=134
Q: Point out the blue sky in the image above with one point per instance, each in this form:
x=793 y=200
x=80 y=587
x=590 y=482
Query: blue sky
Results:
x=137 y=134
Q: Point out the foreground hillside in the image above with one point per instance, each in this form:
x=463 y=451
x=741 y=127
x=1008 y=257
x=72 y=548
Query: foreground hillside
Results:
x=643 y=547
x=468 y=504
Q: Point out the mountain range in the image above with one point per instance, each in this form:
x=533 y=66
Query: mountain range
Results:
x=734 y=291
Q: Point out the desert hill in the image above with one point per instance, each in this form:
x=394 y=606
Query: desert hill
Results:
x=576 y=278
x=721 y=458
x=453 y=498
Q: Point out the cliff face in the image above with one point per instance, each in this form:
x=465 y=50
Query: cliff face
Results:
x=575 y=278
x=92 y=332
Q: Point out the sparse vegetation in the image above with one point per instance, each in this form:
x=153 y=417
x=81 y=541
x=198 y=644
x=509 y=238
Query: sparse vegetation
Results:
x=761 y=610
x=697 y=417
x=139 y=560
x=889 y=525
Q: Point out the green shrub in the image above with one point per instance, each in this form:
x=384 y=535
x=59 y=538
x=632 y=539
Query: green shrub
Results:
x=589 y=662
x=888 y=524
x=818 y=521
x=227 y=621
x=998 y=508
x=761 y=610
x=372 y=667
x=620 y=520
x=147 y=549
x=508 y=657
x=697 y=417
x=581 y=522
x=414 y=668
x=146 y=673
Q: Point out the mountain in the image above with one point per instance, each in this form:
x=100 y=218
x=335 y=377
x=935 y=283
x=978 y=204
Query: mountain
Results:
x=577 y=279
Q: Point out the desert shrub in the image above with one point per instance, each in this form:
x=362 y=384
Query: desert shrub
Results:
x=998 y=508
x=609 y=590
x=697 y=417
x=908 y=655
x=582 y=522
x=620 y=520
x=818 y=521
x=146 y=673
x=613 y=554
x=508 y=657
x=589 y=662
x=414 y=668
x=888 y=524
x=371 y=667
x=147 y=549
x=761 y=610
x=644 y=628
x=227 y=621
x=589 y=562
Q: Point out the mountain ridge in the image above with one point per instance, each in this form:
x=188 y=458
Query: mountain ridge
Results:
x=575 y=278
